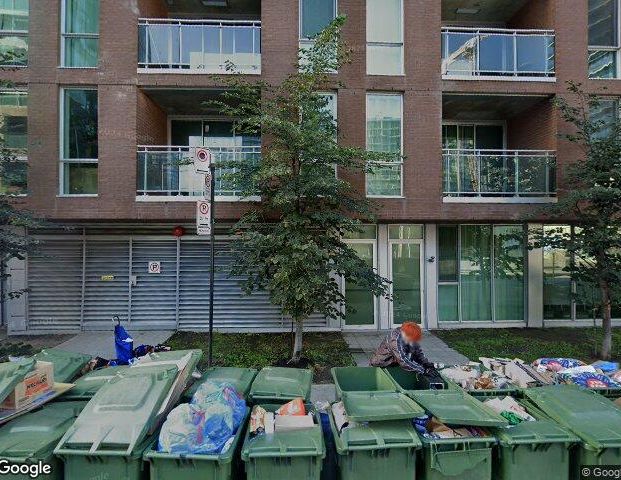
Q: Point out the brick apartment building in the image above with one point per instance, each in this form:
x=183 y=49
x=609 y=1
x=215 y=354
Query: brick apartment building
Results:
x=109 y=94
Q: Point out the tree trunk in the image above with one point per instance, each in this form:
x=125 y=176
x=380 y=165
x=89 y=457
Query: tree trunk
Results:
x=606 y=320
x=297 y=343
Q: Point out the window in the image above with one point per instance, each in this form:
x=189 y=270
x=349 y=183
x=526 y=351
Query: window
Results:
x=315 y=15
x=606 y=112
x=360 y=302
x=14 y=32
x=604 y=38
x=481 y=273
x=79 y=143
x=385 y=37
x=80 y=33
x=14 y=139
x=384 y=134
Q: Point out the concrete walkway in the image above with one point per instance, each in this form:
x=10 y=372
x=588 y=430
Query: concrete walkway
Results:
x=101 y=344
x=363 y=344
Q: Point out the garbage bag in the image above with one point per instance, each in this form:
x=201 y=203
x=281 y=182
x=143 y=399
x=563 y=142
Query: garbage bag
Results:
x=210 y=393
x=591 y=380
x=557 y=364
x=123 y=345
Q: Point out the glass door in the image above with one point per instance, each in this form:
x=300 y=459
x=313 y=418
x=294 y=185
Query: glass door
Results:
x=360 y=306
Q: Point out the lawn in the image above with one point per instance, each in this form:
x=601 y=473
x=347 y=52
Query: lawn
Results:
x=530 y=343
x=257 y=350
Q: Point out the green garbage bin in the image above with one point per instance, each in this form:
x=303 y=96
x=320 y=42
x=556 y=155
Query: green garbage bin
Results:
x=31 y=438
x=88 y=385
x=167 y=466
x=112 y=432
x=11 y=373
x=590 y=416
x=510 y=388
x=280 y=385
x=379 y=406
x=377 y=450
x=463 y=458
x=405 y=381
x=289 y=455
x=240 y=378
x=67 y=365
x=361 y=379
x=533 y=449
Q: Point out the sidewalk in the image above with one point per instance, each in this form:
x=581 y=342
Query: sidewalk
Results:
x=101 y=344
x=363 y=344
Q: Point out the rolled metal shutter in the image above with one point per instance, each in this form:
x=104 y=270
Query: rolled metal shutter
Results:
x=55 y=285
x=106 y=282
x=232 y=308
x=154 y=296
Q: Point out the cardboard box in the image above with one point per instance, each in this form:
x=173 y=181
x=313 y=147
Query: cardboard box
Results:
x=34 y=384
x=286 y=423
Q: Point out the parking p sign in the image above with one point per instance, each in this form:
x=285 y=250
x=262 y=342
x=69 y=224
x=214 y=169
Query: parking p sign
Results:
x=202 y=160
x=203 y=217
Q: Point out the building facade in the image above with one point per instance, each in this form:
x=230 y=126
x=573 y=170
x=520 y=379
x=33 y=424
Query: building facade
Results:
x=108 y=95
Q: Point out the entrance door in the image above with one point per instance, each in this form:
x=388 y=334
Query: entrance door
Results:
x=406 y=266
x=361 y=303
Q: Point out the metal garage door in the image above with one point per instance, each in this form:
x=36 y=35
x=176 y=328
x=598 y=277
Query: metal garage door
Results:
x=55 y=285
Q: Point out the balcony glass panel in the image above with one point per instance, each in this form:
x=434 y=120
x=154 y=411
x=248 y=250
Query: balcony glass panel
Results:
x=169 y=171
x=499 y=173
x=201 y=46
x=497 y=52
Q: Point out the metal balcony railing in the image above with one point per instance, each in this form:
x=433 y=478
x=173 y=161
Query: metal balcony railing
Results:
x=478 y=52
x=199 y=46
x=168 y=171
x=499 y=173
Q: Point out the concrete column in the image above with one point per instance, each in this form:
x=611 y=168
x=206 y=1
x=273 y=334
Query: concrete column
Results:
x=535 y=281
x=385 y=306
x=430 y=279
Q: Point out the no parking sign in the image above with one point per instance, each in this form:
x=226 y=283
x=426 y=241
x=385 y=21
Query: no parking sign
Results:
x=202 y=160
x=203 y=217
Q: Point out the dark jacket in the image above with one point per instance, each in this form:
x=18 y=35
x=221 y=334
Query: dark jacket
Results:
x=393 y=351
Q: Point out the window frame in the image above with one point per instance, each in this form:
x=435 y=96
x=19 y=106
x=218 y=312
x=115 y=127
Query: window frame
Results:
x=21 y=34
x=64 y=36
x=616 y=50
x=400 y=163
x=61 y=144
x=306 y=40
x=386 y=44
x=21 y=91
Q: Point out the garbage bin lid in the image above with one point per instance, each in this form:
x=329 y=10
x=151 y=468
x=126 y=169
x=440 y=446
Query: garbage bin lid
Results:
x=534 y=433
x=455 y=407
x=240 y=378
x=66 y=364
x=122 y=412
x=279 y=383
x=34 y=435
x=377 y=435
x=379 y=406
x=88 y=385
x=11 y=373
x=592 y=417
x=172 y=356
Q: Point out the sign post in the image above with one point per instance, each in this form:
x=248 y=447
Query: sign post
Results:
x=205 y=225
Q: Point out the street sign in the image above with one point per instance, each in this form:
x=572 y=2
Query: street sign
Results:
x=203 y=217
x=154 y=267
x=202 y=160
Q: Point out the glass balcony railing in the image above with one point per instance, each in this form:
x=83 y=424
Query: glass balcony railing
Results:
x=474 y=52
x=499 y=173
x=199 y=46
x=168 y=171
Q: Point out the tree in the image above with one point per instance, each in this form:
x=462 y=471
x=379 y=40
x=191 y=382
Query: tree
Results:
x=15 y=220
x=591 y=203
x=290 y=244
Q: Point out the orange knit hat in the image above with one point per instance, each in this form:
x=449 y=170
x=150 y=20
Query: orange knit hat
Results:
x=412 y=331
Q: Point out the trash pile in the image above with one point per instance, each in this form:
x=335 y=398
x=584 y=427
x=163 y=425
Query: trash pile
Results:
x=207 y=425
x=473 y=377
x=598 y=375
x=518 y=372
x=430 y=427
x=290 y=416
x=509 y=408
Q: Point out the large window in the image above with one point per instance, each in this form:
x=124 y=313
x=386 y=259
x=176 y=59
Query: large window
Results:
x=315 y=15
x=384 y=134
x=481 y=273
x=360 y=302
x=385 y=37
x=14 y=139
x=604 y=38
x=80 y=33
x=79 y=142
x=14 y=32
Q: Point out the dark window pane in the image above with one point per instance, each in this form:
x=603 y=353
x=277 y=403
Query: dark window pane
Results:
x=80 y=178
x=603 y=23
x=316 y=15
x=80 y=124
x=447 y=254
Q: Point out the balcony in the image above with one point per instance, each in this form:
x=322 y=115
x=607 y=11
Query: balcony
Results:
x=166 y=173
x=199 y=46
x=497 y=54
x=518 y=176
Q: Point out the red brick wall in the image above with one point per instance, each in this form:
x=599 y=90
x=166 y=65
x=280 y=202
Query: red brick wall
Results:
x=127 y=117
x=533 y=129
x=151 y=125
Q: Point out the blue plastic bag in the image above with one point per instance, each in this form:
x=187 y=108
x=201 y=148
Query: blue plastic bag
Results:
x=123 y=345
x=219 y=391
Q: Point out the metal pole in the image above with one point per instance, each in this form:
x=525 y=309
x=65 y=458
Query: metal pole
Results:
x=212 y=241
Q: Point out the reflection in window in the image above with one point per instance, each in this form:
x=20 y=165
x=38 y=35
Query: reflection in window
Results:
x=603 y=38
x=14 y=32
x=80 y=33
x=14 y=141
x=385 y=37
